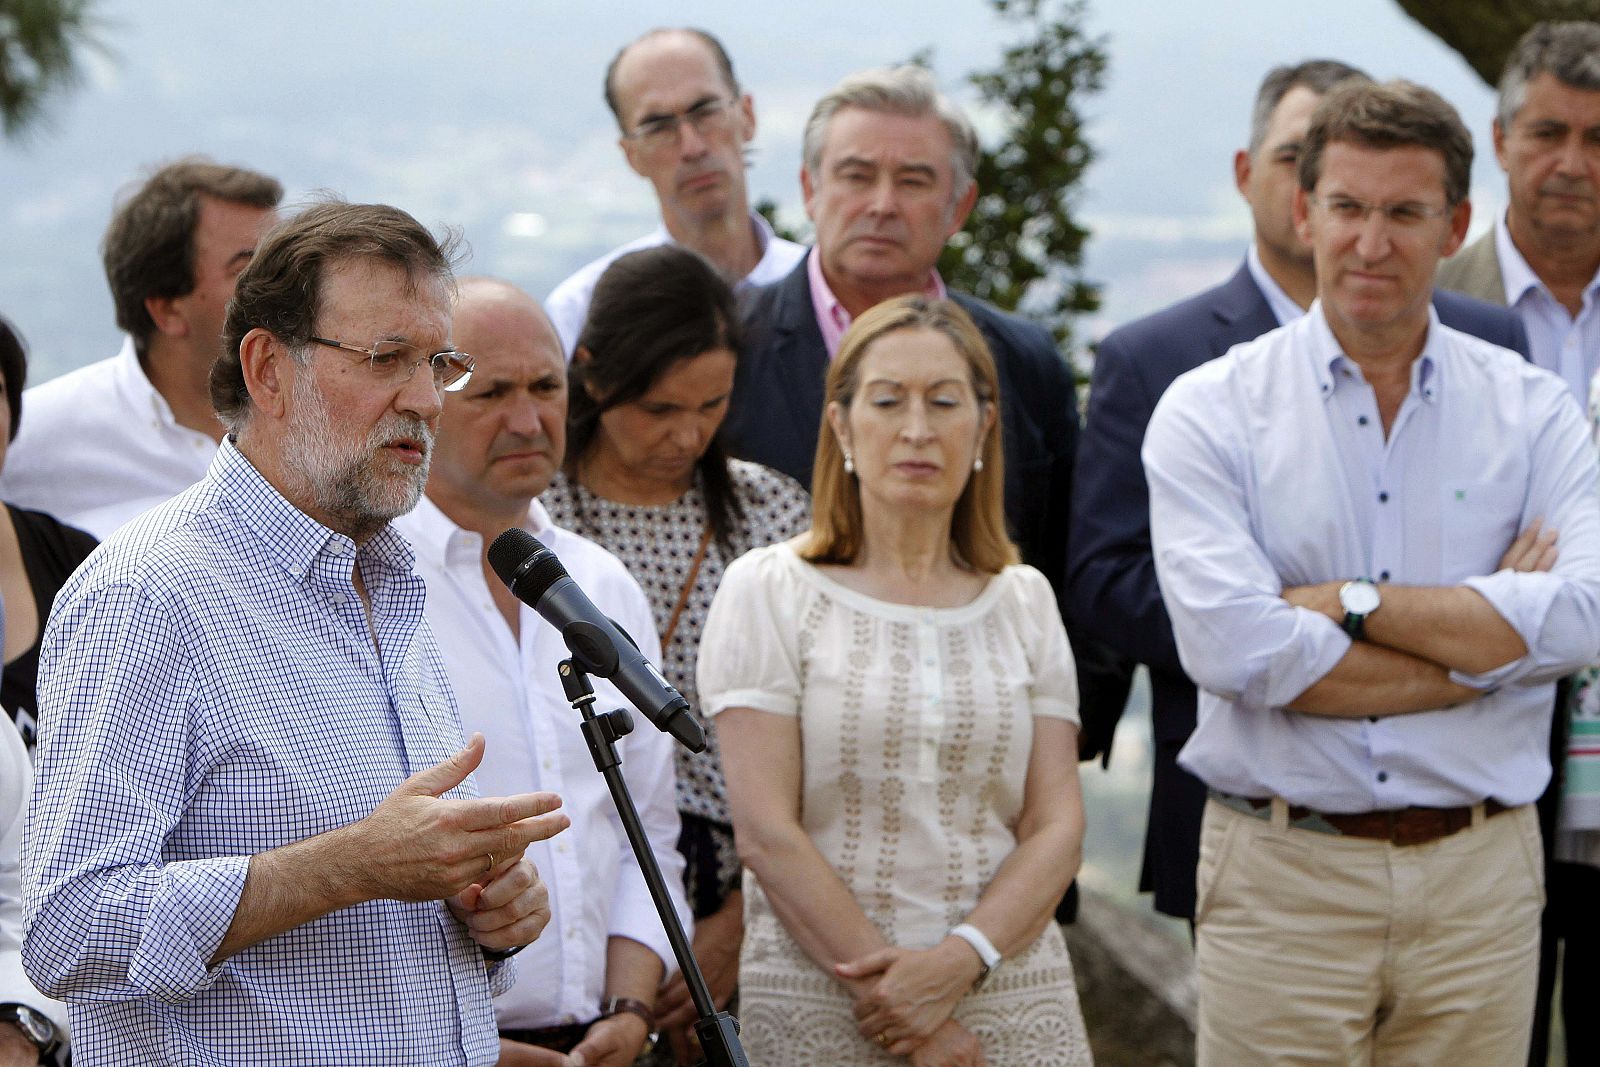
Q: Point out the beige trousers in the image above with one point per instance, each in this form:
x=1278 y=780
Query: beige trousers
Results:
x=1320 y=949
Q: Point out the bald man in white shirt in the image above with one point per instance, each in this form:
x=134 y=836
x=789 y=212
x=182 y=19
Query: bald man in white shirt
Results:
x=590 y=981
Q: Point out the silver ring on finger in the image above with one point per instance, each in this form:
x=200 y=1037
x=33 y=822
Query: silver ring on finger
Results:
x=490 y=857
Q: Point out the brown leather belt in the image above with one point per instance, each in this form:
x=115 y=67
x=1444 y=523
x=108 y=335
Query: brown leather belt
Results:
x=1403 y=826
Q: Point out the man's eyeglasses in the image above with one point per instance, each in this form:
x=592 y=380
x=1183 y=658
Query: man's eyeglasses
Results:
x=394 y=362
x=707 y=117
x=1406 y=215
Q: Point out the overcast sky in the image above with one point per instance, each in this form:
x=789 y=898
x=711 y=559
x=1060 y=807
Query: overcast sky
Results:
x=487 y=114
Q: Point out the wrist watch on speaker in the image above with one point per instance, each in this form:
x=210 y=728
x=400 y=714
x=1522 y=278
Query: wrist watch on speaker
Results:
x=35 y=1026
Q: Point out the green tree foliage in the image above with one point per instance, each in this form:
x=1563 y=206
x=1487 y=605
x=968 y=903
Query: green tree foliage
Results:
x=39 y=45
x=1485 y=31
x=1022 y=248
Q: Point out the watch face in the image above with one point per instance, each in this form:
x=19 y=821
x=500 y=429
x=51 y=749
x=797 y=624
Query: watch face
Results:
x=1359 y=598
x=34 y=1026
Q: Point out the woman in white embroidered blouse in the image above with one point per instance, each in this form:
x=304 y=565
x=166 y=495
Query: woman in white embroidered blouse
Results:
x=898 y=713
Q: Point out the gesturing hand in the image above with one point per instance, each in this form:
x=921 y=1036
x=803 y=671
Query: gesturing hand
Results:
x=418 y=846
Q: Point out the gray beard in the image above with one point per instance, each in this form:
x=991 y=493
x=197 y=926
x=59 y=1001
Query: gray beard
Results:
x=339 y=476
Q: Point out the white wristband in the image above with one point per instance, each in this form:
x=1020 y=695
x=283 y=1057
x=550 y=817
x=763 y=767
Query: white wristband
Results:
x=980 y=944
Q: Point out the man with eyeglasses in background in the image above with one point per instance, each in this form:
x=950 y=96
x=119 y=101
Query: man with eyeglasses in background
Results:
x=110 y=440
x=253 y=836
x=1346 y=521
x=685 y=126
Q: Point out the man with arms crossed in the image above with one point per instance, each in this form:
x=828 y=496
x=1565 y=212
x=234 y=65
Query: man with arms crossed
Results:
x=1113 y=578
x=1335 y=515
x=589 y=983
x=252 y=839
x=113 y=439
x=685 y=127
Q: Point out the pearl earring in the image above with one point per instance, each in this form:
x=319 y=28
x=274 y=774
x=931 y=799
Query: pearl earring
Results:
x=849 y=464
x=977 y=464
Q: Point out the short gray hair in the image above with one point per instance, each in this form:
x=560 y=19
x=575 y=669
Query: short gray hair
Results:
x=1569 y=50
x=904 y=90
x=1318 y=75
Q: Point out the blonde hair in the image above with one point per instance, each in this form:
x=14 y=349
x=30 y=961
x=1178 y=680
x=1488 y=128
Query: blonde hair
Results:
x=977 y=526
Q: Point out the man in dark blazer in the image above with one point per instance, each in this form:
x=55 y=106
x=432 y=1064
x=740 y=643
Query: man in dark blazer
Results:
x=1112 y=577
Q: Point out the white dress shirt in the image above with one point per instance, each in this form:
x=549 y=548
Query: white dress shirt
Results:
x=1269 y=468
x=568 y=303
x=16 y=778
x=1284 y=309
x=508 y=690
x=99 y=446
x=1558 y=342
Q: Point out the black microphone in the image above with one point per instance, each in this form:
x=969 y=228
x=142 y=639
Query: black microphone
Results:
x=601 y=648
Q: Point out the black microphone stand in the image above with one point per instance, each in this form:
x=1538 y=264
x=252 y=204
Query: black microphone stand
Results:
x=718 y=1031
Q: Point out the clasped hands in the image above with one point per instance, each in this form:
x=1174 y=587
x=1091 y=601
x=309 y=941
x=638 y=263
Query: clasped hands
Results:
x=904 y=999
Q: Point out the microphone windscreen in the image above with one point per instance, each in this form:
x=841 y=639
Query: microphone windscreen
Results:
x=525 y=564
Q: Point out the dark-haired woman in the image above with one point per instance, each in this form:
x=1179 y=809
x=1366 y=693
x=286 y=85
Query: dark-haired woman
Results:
x=37 y=554
x=645 y=477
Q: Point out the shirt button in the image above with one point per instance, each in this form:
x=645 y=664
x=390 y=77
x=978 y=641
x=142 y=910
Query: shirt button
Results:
x=1383 y=576
x=1383 y=498
x=1383 y=776
x=1374 y=718
x=1362 y=419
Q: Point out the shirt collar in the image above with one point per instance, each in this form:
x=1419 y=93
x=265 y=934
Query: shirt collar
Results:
x=135 y=386
x=294 y=539
x=764 y=233
x=1332 y=366
x=1282 y=305
x=1514 y=270
x=1519 y=278
x=437 y=538
x=832 y=317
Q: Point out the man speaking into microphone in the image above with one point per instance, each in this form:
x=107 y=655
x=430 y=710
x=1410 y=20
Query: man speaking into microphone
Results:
x=501 y=440
x=253 y=839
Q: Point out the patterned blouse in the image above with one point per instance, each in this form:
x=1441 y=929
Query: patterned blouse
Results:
x=658 y=543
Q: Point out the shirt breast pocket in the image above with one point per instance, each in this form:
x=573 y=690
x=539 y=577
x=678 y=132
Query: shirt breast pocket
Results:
x=1478 y=523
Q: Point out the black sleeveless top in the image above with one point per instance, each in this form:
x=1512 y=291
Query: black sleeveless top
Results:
x=50 y=553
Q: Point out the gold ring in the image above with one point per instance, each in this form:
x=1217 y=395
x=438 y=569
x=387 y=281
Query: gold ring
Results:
x=490 y=857
x=883 y=1038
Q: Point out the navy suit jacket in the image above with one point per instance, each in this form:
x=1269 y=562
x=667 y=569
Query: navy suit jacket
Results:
x=776 y=412
x=1112 y=578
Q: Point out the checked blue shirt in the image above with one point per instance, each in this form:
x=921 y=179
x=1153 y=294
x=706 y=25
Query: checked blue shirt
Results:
x=209 y=689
